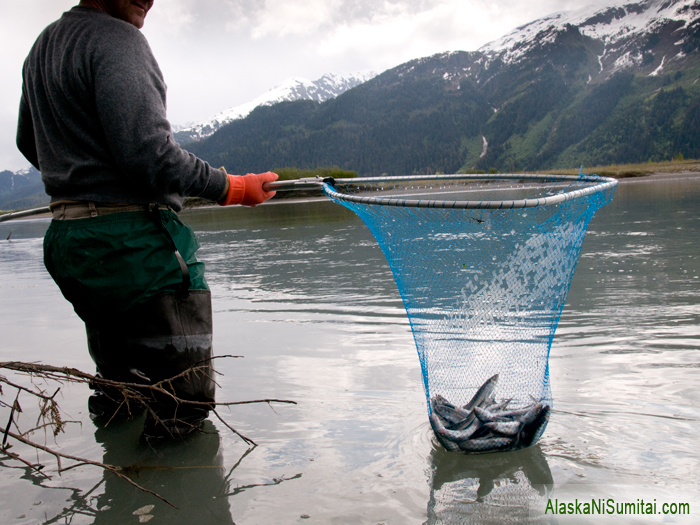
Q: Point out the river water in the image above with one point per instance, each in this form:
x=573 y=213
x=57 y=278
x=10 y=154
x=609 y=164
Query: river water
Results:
x=304 y=294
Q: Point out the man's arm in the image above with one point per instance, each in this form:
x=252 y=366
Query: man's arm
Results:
x=25 y=134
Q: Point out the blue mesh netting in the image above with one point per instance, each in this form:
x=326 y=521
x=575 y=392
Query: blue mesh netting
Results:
x=483 y=265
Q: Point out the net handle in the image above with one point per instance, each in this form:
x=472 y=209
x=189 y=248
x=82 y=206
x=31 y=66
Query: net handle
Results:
x=24 y=213
x=300 y=184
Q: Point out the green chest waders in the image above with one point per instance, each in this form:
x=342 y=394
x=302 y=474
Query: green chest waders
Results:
x=166 y=332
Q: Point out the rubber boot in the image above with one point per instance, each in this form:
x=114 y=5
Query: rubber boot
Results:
x=166 y=340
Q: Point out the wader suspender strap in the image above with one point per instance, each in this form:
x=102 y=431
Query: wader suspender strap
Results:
x=153 y=210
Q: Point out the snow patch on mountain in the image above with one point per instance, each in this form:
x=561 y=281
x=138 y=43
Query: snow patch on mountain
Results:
x=328 y=86
x=614 y=24
x=25 y=171
x=659 y=69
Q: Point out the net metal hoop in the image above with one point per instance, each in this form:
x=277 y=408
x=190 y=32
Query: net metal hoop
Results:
x=602 y=184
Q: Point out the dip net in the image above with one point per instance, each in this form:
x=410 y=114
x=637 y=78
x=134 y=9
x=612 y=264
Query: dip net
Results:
x=483 y=264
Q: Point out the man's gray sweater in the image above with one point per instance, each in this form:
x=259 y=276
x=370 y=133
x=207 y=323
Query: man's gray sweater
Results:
x=92 y=118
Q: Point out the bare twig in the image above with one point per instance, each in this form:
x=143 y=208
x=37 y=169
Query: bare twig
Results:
x=248 y=441
x=141 y=395
x=46 y=425
x=20 y=387
x=132 y=389
x=15 y=406
x=275 y=481
x=36 y=468
x=66 y=372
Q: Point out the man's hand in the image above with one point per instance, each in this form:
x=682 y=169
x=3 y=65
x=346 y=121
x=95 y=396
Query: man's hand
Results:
x=248 y=190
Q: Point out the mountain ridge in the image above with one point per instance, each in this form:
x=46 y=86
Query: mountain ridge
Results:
x=323 y=88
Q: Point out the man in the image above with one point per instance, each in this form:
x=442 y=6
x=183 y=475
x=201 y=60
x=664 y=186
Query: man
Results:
x=92 y=119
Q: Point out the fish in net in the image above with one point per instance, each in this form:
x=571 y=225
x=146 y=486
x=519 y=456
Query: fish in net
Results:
x=483 y=264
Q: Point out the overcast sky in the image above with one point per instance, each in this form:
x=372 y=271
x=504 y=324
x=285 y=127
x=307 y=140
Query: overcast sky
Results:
x=216 y=54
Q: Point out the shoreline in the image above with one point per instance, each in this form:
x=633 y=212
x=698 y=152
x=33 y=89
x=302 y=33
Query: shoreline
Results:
x=661 y=175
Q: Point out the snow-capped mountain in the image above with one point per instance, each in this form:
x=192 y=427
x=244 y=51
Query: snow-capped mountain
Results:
x=649 y=37
x=328 y=86
x=626 y=30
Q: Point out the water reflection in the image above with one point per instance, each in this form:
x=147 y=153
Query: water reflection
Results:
x=189 y=474
x=511 y=487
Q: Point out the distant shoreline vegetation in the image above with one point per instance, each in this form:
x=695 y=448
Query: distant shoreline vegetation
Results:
x=625 y=171
x=322 y=172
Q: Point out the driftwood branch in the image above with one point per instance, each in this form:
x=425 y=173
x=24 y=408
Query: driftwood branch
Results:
x=50 y=416
x=73 y=375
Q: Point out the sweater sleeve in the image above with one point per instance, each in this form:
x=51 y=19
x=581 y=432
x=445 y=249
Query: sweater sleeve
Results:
x=130 y=97
x=26 y=142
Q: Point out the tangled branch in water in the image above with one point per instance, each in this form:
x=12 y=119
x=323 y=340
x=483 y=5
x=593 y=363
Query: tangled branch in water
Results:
x=50 y=417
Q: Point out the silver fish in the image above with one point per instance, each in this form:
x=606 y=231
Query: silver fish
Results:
x=460 y=435
x=449 y=445
x=483 y=393
x=436 y=422
x=505 y=415
x=454 y=415
x=531 y=414
x=439 y=400
x=442 y=421
x=528 y=432
x=465 y=423
x=438 y=428
x=485 y=416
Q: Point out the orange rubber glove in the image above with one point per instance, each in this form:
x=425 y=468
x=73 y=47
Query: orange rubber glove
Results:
x=248 y=190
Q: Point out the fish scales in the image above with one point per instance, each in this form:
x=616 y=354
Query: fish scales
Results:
x=508 y=428
x=461 y=435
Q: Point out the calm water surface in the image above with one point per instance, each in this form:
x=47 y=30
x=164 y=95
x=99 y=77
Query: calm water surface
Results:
x=304 y=294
